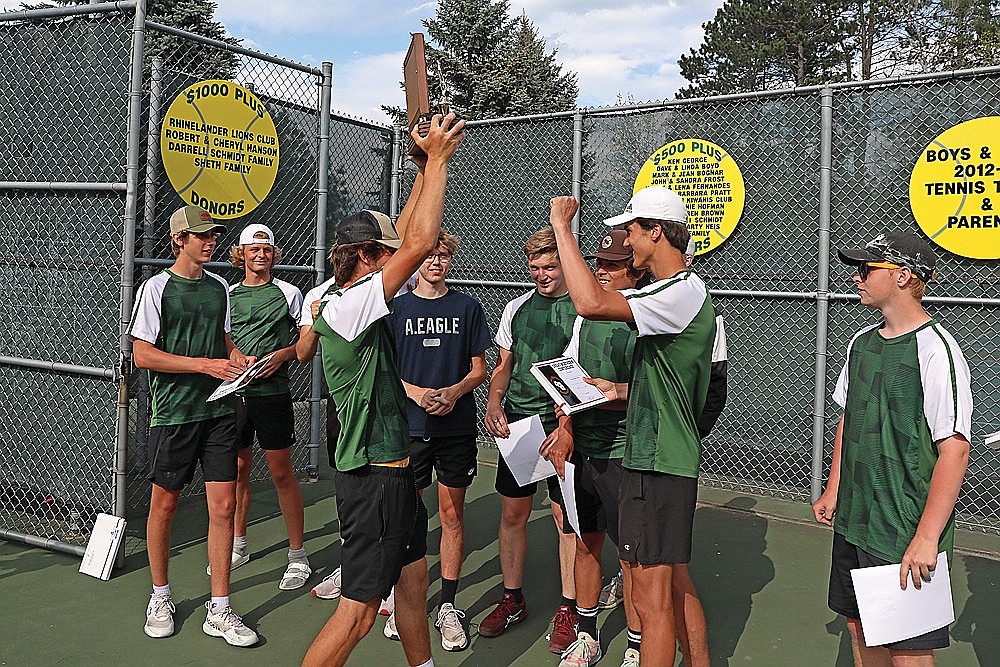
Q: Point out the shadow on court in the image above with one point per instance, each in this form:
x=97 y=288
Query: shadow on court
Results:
x=760 y=570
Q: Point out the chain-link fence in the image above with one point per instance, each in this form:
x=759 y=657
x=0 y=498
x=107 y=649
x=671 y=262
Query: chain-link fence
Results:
x=75 y=155
x=768 y=279
x=80 y=129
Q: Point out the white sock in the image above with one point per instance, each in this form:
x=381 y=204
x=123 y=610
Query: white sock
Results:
x=161 y=590
x=298 y=556
x=429 y=663
x=218 y=604
x=240 y=545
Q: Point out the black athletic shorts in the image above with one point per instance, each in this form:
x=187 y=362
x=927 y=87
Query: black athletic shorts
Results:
x=452 y=457
x=506 y=485
x=175 y=451
x=383 y=523
x=847 y=557
x=271 y=418
x=596 y=486
x=332 y=431
x=656 y=517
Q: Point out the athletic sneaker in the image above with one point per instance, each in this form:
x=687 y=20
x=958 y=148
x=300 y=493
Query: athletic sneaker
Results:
x=159 y=616
x=505 y=614
x=390 y=628
x=238 y=559
x=631 y=658
x=329 y=588
x=563 y=629
x=584 y=652
x=227 y=624
x=449 y=624
x=612 y=594
x=296 y=575
x=389 y=604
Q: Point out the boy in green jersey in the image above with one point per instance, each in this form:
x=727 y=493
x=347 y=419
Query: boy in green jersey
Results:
x=902 y=444
x=666 y=392
x=383 y=522
x=535 y=326
x=265 y=311
x=180 y=332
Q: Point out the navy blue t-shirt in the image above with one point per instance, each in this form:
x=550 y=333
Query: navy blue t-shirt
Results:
x=435 y=341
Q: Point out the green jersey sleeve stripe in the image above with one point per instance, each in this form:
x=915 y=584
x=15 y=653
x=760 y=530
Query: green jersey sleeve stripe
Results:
x=954 y=376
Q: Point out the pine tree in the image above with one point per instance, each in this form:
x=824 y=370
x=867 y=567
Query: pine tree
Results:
x=489 y=65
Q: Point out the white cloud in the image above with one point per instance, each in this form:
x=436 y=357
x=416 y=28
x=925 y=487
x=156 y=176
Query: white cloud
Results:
x=363 y=83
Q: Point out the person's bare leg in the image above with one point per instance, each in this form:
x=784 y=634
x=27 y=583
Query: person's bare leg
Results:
x=912 y=658
x=162 y=508
x=451 y=508
x=411 y=612
x=587 y=569
x=864 y=655
x=221 y=498
x=279 y=463
x=650 y=592
x=513 y=539
x=349 y=624
x=244 y=463
x=689 y=619
x=567 y=554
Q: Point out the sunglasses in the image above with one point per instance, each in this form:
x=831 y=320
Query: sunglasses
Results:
x=864 y=270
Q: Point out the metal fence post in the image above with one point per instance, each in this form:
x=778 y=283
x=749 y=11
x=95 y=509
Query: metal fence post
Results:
x=128 y=255
x=397 y=172
x=577 y=184
x=822 y=291
x=319 y=260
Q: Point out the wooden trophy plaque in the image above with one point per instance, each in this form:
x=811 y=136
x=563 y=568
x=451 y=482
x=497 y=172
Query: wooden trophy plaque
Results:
x=418 y=104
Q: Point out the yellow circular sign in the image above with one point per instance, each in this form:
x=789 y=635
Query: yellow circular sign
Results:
x=955 y=189
x=220 y=148
x=707 y=179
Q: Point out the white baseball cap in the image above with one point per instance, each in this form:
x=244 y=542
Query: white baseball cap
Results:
x=654 y=202
x=691 y=247
x=256 y=233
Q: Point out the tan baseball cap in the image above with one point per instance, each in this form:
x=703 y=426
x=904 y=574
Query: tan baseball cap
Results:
x=193 y=219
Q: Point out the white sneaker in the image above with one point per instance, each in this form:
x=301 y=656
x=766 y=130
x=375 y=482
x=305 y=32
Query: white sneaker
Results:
x=296 y=575
x=329 y=588
x=390 y=628
x=449 y=623
x=584 y=652
x=238 y=559
x=388 y=605
x=612 y=594
x=159 y=616
x=631 y=658
x=227 y=624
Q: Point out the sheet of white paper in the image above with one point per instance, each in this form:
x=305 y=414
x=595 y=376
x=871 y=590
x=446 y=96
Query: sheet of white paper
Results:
x=568 y=488
x=229 y=386
x=520 y=451
x=889 y=614
x=562 y=379
x=993 y=440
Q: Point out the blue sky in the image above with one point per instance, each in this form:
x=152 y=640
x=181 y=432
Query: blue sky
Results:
x=620 y=49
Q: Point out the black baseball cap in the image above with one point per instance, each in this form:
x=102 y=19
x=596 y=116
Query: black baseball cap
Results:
x=367 y=226
x=906 y=250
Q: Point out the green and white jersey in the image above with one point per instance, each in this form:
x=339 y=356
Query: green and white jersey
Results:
x=604 y=350
x=900 y=395
x=670 y=374
x=263 y=319
x=315 y=294
x=359 y=362
x=534 y=328
x=189 y=318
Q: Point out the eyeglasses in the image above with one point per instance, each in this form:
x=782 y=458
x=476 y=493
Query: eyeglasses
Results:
x=864 y=270
x=444 y=258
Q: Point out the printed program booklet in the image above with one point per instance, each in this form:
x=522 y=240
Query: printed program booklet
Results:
x=562 y=378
